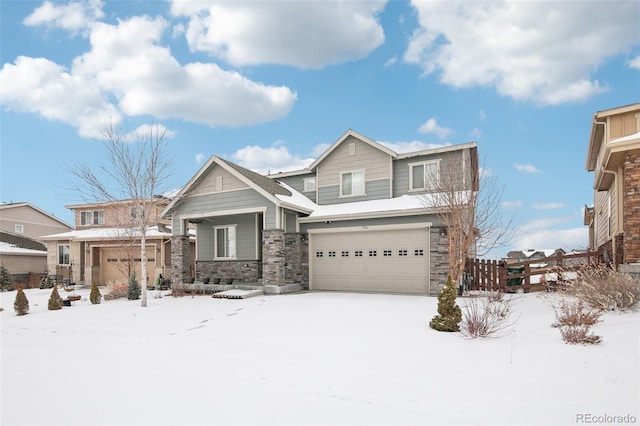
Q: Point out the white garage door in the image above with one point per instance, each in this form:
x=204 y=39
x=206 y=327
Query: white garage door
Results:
x=373 y=259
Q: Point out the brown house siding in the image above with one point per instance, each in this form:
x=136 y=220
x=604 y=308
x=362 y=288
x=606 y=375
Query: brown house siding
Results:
x=632 y=207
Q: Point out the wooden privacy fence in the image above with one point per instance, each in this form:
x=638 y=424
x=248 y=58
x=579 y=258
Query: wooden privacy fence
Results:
x=497 y=275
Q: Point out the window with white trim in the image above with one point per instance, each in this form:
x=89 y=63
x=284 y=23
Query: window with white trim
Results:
x=309 y=184
x=63 y=254
x=424 y=176
x=225 y=242
x=19 y=228
x=352 y=183
x=94 y=217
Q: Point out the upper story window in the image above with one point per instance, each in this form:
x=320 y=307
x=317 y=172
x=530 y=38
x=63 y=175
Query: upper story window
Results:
x=424 y=176
x=95 y=217
x=19 y=228
x=352 y=183
x=63 y=254
x=225 y=242
x=136 y=213
x=309 y=184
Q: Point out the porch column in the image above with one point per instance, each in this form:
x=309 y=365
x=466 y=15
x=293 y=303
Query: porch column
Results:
x=273 y=257
x=179 y=259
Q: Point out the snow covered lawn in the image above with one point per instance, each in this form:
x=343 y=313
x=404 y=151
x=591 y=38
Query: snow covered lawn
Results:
x=307 y=358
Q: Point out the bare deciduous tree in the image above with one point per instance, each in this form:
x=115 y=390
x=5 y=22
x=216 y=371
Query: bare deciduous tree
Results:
x=134 y=169
x=467 y=201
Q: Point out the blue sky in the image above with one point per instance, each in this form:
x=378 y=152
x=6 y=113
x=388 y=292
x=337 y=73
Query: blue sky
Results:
x=269 y=85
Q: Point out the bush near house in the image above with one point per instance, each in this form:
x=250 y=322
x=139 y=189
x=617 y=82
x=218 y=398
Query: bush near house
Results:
x=95 y=297
x=55 y=301
x=134 y=290
x=117 y=291
x=449 y=313
x=21 y=304
x=575 y=320
x=603 y=288
x=5 y=279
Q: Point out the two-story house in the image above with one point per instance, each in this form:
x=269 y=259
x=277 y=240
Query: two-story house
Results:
x=614 y=158
x=105 y=245
x=356 y=219
x=22 y=251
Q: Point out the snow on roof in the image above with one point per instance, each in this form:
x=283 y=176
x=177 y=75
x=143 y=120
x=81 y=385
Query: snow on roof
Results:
x=407 y=204
x=546 y=252
x=6 y=248
x=626 y=138
x=109 y=233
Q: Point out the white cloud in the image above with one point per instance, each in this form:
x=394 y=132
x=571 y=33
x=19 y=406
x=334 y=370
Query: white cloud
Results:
x=127 y=63
x=37 y=85
x=200 y=157
x=301 y=34
x=548 y=206
x=145 y=130
x=412 y=146
x=273 y=159
x=482 y=115
x=567 y=239
x=391 y=61
x=510 y=205
x=526 y=168
x=476 y=133
x=538 y=51
x=634 y=63
x=73 y=16
x=431 y=126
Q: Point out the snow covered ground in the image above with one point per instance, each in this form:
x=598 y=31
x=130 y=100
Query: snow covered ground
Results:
x=308 y=358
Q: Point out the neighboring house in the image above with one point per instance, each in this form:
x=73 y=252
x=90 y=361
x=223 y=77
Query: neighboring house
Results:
x=355 y=219
x=21 y=249
x=23 y=257
x=614 y=157
x=532 y=254
x=105 y=248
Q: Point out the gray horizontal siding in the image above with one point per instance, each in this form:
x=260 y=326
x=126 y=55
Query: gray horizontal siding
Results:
x=233 y=200
x=246 y=236
x=374 y=190
x=401 y=169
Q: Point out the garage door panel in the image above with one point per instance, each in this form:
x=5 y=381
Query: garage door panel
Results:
x=377 y=260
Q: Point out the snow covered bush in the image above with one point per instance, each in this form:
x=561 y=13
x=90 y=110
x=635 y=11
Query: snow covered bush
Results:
x=133 y=293
x=488 y=316
x=55 y=301
x=95 y=297
x=603 y=288
x=449 y=313
x=117 y=291
x=575 y=321
x=21 y=304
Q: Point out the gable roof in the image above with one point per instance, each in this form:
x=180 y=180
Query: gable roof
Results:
x=358 y=136
x=597 y=131
x=7 y=206
x=262 y=184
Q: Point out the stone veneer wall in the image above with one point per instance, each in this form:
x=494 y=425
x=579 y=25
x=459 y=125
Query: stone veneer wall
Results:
x=297 y=259
x=439 y=260
x=631 y=207
x=273 y=257
x=179 y=259
x=248 y=271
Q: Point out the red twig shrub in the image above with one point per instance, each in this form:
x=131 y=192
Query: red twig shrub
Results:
x=575 y=321
x=488 y=316
x=604 y=288
x=117 y=291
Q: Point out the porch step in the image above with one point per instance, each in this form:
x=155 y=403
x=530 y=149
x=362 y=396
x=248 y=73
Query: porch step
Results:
x=237 y=293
